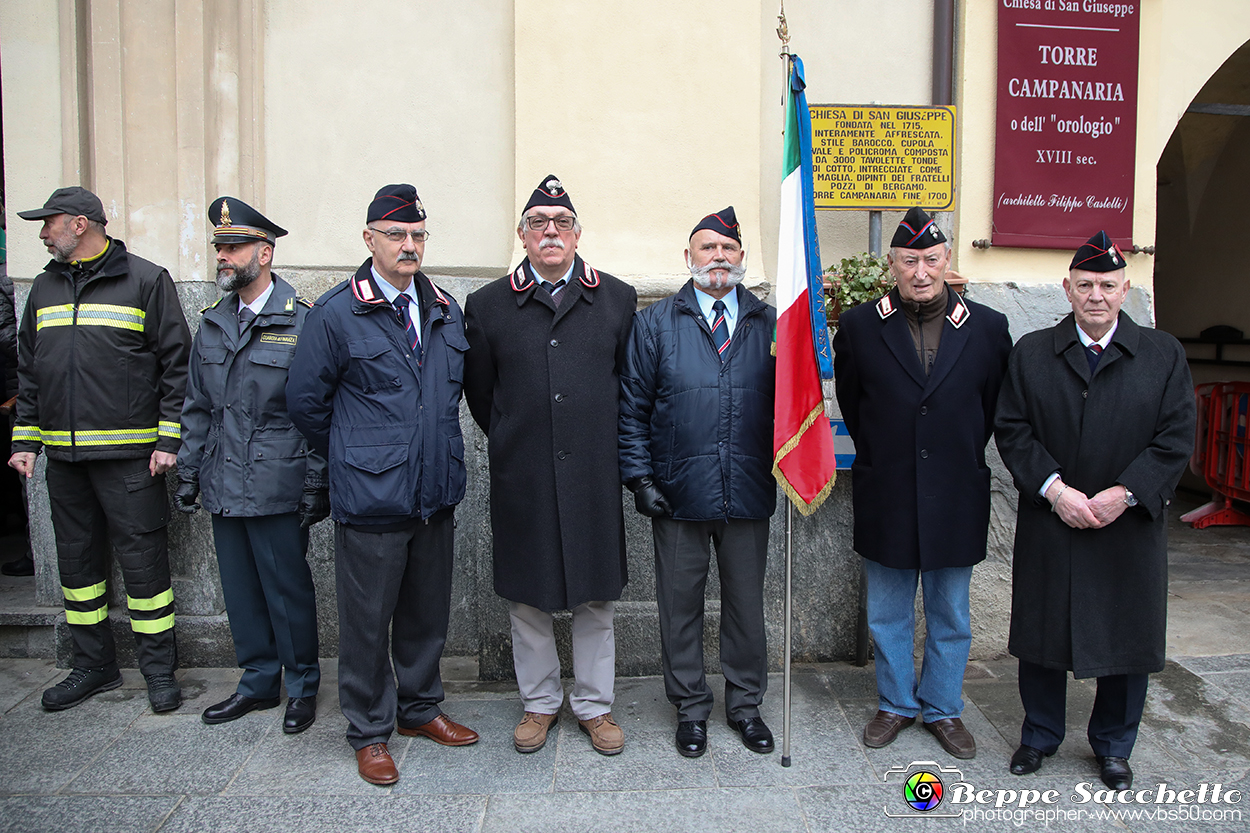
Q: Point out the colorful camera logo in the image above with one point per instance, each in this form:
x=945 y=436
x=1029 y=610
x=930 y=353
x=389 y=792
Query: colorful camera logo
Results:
x=923 y=791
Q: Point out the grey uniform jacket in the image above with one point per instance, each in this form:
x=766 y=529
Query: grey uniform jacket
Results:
x=237 y=436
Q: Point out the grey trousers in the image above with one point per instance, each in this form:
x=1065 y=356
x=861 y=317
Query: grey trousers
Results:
x=682 y=558
x=538 y=665
x=399 y=581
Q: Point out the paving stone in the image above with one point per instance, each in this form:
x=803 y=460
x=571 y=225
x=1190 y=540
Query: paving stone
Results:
x=329 y=814
x=21 y=678
x=83 y=814
x=669 y=811
x=172 y=754
x=42 y=751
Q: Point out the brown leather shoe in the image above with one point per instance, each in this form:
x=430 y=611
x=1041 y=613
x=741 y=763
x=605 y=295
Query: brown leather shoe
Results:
x=884 y=728
x=376 y=765
x=442 y=730
x=531 y=733
x=605 y=735
x=954 y=738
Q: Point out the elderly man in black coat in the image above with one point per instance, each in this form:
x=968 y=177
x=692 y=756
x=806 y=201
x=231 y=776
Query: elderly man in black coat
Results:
x=542 y=380
x=917 y=377
x=1095 y=423
x=696 y=450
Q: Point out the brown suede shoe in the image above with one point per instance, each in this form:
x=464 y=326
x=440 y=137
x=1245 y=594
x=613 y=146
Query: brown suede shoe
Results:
x=605 y=735
x=376 y=765
x=954 y=738
x=884 y=728
x=442 y=730
x=531 y=733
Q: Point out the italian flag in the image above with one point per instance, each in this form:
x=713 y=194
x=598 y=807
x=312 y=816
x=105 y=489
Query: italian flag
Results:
x=803 y=456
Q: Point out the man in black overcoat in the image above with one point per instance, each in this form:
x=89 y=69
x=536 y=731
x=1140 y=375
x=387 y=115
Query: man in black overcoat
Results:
x=543 y=381
x=917 y=377
x=1096 y=424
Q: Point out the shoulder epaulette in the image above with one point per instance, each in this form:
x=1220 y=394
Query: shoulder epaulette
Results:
x=305 y=302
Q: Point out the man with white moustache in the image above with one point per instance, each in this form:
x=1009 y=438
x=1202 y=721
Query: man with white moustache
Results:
x=696 y=450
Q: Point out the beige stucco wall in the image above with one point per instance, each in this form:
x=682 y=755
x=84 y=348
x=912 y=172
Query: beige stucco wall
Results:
x=30 y=69
x=1182 y=43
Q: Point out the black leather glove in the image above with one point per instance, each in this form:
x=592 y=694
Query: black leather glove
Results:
x=648 y=499
x=184 y=497
x=314 y=505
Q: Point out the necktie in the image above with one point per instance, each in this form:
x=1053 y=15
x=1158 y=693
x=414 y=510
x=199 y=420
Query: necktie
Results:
x=246 y=316
x=720 y=329
x=1093 y=353
x=554 y=290
x=410 y=327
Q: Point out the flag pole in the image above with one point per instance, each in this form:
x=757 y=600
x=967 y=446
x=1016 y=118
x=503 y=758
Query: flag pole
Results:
x=783 y=32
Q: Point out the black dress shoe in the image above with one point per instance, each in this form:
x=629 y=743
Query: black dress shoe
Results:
x=300 y=714
x=692 y=738
x=234 y=707
x=754 y=733
x=1115 y=772
x=1027 y=759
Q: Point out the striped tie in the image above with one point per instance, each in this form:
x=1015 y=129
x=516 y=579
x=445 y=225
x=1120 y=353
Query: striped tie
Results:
x=1092 y=354
x=720 y=329
x=410 y=327
x=554 y=290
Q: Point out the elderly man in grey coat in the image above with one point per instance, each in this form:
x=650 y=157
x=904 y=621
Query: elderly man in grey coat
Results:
x=542 y=379
x=1096 y=423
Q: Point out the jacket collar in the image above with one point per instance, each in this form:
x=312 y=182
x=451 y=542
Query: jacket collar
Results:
x=748 y=304
x=897 y=337
x=112 y=264
x=367 y=295
x=523 y=284
x=1126 y=339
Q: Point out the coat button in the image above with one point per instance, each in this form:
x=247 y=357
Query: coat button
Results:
x=225 y=511
x=555 y=343
x=924 y=409
x=562 y=454
x=227 y=459
x=559 y=397
x=924 y=454
x=1084 y=394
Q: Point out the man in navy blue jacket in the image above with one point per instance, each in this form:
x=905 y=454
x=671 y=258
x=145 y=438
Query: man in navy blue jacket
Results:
x=917 y=377
x=375 y=385
x=696 y=451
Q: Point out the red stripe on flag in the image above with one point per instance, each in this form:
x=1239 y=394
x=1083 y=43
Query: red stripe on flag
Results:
x=803 y=455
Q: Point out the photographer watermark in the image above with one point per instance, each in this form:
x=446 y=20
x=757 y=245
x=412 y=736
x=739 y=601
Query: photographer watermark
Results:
x=930 y=790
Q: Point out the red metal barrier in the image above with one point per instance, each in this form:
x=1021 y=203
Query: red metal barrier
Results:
x=1220 y=453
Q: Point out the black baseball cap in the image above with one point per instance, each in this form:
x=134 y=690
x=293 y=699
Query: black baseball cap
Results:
x=74 y=201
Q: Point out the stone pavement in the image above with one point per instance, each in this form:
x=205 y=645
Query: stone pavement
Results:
x=112 y=765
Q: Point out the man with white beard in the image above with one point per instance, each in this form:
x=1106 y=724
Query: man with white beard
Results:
x=696 y=450
x=261 y=483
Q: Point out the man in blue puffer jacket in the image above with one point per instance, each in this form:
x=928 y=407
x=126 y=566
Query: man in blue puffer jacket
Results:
x=696 y=451
x=375 y=386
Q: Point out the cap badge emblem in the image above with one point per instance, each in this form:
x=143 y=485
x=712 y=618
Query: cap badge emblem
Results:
x=554 y=187
x=225 y=213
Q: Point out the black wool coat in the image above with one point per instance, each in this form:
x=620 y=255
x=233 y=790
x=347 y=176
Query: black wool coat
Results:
x=543 y=382
x=920 y=482
x=1094 y=601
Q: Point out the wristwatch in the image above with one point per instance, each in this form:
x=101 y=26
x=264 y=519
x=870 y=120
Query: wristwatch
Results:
x=1129 y=498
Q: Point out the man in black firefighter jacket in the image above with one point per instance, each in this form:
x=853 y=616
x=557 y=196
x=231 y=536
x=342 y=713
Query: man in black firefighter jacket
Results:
x=102 y=373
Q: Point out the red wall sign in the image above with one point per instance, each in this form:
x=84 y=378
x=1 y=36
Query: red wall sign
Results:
x=1066 y=133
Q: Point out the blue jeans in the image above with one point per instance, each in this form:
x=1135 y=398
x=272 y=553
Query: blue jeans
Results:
x=892 y=621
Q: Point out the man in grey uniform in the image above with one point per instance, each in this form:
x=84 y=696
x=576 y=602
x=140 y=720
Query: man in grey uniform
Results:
x=260 y=481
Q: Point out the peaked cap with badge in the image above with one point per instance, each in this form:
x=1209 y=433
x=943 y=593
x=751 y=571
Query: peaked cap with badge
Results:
x=723 y=222
x=550 y=192
x=396 y=202
x=1098 y=254
x=917 y=230
x=234 y=221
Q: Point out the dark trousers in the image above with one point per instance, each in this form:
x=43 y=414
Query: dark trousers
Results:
x=115 y=502
x=1118 y=707
x=399 y=581
x=682 y=558
x=270 y=602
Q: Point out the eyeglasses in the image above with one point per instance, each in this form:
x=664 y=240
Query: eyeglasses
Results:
x=397 y=235
x=537 y=222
